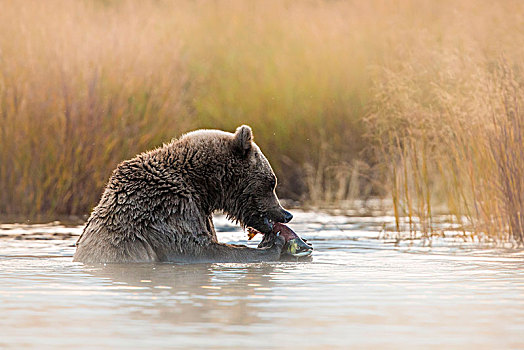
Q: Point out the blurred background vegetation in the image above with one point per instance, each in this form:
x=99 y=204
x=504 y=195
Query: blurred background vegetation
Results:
x=419 y=101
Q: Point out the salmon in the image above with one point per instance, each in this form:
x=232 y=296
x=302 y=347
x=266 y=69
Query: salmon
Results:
x=294 y=246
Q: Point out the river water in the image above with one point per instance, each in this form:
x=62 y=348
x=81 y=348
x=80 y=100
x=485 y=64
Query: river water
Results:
x=360 y=290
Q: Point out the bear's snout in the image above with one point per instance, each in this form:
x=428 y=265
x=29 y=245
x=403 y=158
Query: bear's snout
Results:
x=280 y=215
x=287 y=216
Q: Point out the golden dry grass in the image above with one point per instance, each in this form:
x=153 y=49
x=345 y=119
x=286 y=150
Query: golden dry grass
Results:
x=447 y=122
x=418 y=99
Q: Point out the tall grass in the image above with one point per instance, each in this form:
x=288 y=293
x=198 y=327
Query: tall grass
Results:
x=448 y=129
x=421 y=100
x=86 y=84
x=79 y=92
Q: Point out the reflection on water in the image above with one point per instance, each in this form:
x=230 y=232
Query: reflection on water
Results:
x=360 y=290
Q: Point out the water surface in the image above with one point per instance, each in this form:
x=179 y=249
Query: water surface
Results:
x=360 y=290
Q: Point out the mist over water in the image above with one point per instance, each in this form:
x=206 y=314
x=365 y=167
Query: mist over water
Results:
x=360 y=290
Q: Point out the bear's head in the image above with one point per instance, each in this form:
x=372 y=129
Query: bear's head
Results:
x=251 y=197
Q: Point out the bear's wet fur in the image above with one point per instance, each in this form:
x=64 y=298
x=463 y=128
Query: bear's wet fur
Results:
x=157 y=207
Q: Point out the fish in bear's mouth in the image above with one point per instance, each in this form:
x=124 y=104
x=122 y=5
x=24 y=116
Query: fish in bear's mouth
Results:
x=262 y=224
x=265 y=222
x=294 y=246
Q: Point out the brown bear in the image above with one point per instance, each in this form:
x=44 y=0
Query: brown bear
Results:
x=157 y=207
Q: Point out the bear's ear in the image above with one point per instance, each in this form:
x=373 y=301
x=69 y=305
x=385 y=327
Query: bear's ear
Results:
x=243 y=138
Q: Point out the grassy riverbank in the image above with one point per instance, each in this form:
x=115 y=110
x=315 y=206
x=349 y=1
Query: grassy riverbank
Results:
x=417 y=100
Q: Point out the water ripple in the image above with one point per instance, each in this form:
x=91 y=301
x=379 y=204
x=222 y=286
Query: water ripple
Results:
x=361 y=289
